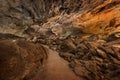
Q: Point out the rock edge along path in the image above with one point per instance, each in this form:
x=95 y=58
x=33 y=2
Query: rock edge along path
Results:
x=56 y=69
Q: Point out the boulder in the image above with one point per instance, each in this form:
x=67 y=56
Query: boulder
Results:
x=20 y=59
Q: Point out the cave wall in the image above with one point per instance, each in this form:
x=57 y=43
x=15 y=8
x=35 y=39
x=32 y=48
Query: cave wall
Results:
x=93 y=18
x=21 y=60
x=17 y=15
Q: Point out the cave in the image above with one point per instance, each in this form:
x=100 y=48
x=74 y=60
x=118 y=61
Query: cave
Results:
x=59 y=40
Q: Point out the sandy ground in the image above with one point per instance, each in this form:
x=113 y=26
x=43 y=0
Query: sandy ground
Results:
x=56 y=69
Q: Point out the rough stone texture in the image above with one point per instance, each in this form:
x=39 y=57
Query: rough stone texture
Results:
x=96 y=21
x=84 y=32
x=18 y=15
x=20 y=60
x=90 y=59
x=88 y=39
x=93 y=52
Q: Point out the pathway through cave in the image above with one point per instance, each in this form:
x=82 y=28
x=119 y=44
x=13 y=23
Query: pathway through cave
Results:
x=56 y=69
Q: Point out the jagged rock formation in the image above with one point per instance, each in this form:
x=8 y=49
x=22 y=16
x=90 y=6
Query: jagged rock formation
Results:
x=95 y=60
x=18 y=15
x=20 y=60
x=91 y=58
x=89 y=40
x=84 y=32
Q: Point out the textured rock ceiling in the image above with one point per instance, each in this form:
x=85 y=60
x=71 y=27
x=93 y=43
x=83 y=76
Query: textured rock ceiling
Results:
x=84 y=32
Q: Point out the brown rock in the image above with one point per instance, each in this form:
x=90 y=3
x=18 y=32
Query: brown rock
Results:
x=101 y=53
x=70 y=44
x=20 y=59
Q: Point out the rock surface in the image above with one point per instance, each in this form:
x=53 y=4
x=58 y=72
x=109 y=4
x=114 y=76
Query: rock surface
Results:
x=92 y=60
x=20 y=60
x=85 y=32
x=18 y=15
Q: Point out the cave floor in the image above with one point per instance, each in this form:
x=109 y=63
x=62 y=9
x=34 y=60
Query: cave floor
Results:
x=56 y=68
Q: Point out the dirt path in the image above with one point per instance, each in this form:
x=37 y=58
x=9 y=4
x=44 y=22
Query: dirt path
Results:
x=56 y=69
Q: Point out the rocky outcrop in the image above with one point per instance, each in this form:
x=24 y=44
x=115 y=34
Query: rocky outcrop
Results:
x=17 y=15
x=94 y=61
x=20 y=60
x=102 y=20
x=89 y=58
x=88 y=40
x=84 y=32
